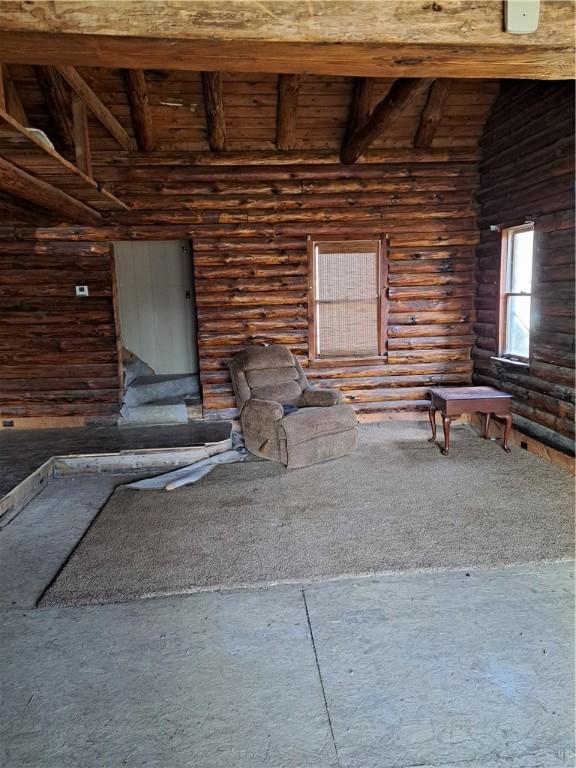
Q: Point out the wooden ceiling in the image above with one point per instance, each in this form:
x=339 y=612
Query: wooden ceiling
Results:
x=393 y=38
x=343 y=81
x=234 y=112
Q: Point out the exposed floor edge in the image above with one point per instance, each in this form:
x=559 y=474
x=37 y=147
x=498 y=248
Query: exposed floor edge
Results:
x=144 y=459
x=301 y=583
x=23 y=493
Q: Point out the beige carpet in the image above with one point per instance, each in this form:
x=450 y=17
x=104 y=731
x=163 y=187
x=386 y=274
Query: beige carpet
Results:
x=394 y=505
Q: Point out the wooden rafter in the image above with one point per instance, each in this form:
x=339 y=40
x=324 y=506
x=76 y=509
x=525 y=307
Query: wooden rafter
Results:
x=81 y=136
x=15 y=210
x=12 y=99
x=432 y=113
x=98 y=109
x=361 y=104
x=2 y=89
x=288 y=92
x=22 y=184
x=214 y=107
x=58 y=102
x=140 y=109
x=395 y=38
x=34 y=156
x=399 y=97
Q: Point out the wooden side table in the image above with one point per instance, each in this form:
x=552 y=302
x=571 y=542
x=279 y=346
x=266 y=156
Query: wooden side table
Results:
x=456 y=401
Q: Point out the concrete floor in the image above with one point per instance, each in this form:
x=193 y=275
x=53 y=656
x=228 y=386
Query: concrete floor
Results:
x=435 y=670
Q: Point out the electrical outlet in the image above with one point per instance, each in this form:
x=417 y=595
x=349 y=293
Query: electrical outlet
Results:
x=82 y=290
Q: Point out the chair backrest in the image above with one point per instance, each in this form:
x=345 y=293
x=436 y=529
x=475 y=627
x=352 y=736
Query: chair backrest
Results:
x=267 y=373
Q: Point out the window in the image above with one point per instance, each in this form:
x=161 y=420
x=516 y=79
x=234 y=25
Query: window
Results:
x=347 y=299
x=515 y=292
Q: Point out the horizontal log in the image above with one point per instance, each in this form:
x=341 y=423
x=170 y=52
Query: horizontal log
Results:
x=430 y=342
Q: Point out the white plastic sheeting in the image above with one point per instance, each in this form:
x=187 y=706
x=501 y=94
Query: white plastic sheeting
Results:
x=187 y=475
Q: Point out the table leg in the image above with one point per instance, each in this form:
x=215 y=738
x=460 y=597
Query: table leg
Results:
x=432 y=417
x=507 y=431
x=446 y=420
x=487 y=417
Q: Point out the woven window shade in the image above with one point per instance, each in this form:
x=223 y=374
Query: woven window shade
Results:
x=347 y=299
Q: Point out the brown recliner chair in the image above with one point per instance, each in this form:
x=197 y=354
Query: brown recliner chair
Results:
x=282 y=418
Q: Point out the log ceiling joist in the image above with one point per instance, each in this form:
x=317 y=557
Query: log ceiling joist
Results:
x=21 y=184
x=288 y=92
x=399 y=97
x=362 y=38
x=432 y=113
x=58 y=102
x=140 y=109
x=214 y=108
x=98 y=109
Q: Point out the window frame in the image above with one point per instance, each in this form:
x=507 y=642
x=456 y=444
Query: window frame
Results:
x=507 y=241
x=383 y=301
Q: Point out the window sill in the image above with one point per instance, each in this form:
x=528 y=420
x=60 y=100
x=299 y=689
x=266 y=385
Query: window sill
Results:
x=511 y=362
x=342 y=362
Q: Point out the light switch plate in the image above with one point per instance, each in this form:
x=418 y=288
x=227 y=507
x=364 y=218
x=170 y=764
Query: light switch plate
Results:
x=521 y=16
x=81 y=290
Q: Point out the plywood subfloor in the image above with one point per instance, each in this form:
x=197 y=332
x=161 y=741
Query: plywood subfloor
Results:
x=23 y=451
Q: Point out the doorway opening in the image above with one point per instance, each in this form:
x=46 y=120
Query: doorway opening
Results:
x=157 y=322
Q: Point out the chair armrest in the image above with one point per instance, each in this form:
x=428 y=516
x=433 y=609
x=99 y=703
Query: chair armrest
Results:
x=268 y=410
x=320 y=397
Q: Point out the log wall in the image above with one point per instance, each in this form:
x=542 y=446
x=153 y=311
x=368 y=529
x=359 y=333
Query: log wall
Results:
x=59 y=354
x=248 y=226
x=252 y=287
x=527 y=172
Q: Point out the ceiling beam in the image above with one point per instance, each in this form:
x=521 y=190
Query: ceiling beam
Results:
x=360 y=106
x=346 y=59
x=58 y=101
x=214 y=108
x=140 y=109
x=454 y=38
x=454 y=22
x=21 y=184
x=93 y=103
x=288 y=92
x=432 y=113
x=81 y=136
x=399 y=97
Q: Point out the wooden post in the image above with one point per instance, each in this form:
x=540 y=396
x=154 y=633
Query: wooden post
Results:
x=81 y=136
x=58 y=102
x=13 y=104
x=401 y=95
x=214 y=107
x=288 y=90
x=2 y=89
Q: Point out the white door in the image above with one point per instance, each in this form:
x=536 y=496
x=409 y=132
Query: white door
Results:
x=156 y=303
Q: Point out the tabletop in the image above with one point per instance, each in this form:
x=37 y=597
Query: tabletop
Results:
x=467 y=393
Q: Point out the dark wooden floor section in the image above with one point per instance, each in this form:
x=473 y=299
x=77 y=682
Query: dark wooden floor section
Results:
x=22 y=451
